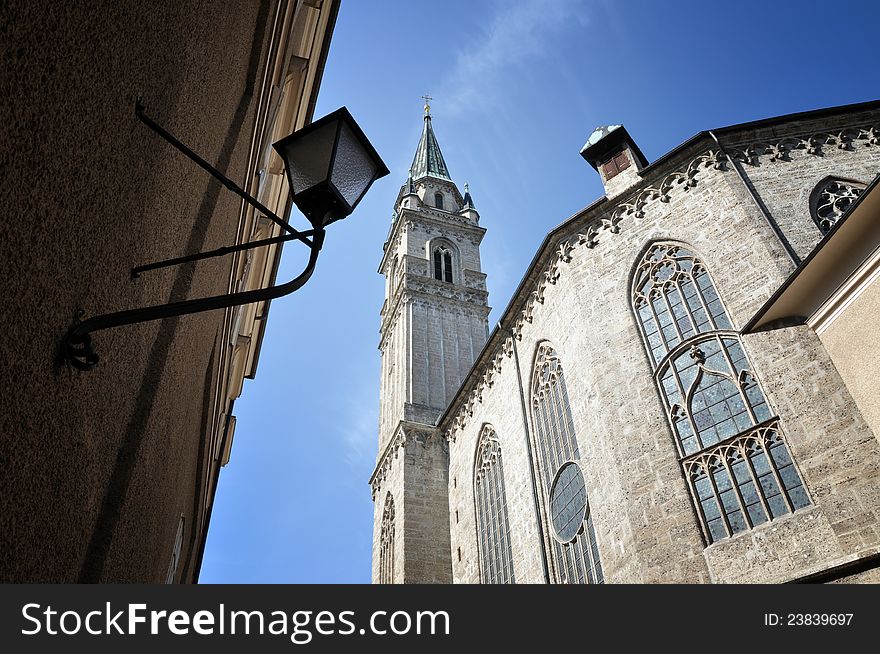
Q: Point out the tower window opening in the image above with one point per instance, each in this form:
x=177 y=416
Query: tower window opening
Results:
x=438 y=200
x=443 y=265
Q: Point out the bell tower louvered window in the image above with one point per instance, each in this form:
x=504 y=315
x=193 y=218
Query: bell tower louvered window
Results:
x=443 y=264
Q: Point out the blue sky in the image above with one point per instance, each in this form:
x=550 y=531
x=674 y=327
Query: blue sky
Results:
x=518 y=85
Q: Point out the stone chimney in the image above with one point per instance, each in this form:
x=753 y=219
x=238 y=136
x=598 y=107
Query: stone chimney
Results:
x=615 y=156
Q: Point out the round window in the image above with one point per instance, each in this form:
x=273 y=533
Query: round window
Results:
x=568 y=502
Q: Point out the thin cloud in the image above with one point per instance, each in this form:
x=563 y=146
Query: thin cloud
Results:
x=518 y=32
x=359 y=422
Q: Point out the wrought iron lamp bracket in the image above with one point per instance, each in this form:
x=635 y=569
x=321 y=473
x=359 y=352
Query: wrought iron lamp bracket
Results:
x=78 y=348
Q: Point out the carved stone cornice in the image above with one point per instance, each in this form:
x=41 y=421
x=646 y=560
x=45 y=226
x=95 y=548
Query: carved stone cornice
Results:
x=458 y=230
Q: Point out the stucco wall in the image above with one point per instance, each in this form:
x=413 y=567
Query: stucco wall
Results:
x=98 y=467
x=853 y=342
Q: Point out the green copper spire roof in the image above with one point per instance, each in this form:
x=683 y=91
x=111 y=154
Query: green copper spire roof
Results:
x=429 y=159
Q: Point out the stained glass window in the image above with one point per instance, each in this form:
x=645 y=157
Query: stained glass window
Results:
x=493 y=527
x=730 y=444
x=574 y=551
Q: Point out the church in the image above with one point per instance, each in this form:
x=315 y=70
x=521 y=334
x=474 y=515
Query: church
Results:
x=682 y=389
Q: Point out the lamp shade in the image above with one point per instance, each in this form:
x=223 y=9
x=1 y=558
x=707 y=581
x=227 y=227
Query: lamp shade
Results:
x=330 y=165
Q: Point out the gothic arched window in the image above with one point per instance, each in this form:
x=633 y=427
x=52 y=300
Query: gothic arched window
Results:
x=438 y=200
x=386 y=542
x=574 y=552
x=443 y=264
x=734 y=457
x=830 y=200
x=493 y=528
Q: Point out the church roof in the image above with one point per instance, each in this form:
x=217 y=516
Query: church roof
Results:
x=599 y=133
x=429 y=159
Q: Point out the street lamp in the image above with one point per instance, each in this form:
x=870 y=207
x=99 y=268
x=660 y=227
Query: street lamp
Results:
x=330 y=165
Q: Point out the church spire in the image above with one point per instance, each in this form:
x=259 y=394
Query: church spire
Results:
x=429 y=159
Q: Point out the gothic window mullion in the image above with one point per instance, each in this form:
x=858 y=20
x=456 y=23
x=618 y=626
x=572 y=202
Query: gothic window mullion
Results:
x=486 y=555
x=494 y=503
x=595 y=565
x=582 y=545
x=537 y=413
x=554 y=434
x=493 y=521
x=757 y=482
x=717 y=495
x=703 y=303
x=668 y=304
x=638 y=304
x=736 y=488
x=736 y=380
x=569 y=444
x=656 y=319
x=491 y=558
x=575 y=452
x=574 y=570
x=695 y=494
x=482 y=547
x=585 y=541
x=554 y=431
x=666 y=345
x=544 y=454
x=687 y=397
x=686 y=308
x=583 y=549
x=561 y=450
x=773 y=471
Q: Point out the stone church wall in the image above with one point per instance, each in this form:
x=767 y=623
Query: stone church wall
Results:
x=646 y=526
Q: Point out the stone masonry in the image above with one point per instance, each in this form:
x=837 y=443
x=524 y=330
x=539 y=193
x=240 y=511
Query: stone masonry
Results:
x=577 y=297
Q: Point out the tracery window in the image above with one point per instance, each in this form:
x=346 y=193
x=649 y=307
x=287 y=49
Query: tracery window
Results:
x=443 y=264
x=493 y=527
x=730 y=444
x=386 y=542
x=574 y=551
x=830 y=200
x=438 y=200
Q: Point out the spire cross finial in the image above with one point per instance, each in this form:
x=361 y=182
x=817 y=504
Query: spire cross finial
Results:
x=427 y=98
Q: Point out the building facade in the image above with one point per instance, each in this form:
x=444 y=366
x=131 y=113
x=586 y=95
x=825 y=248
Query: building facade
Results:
x=620 y=425
x=109 y=475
